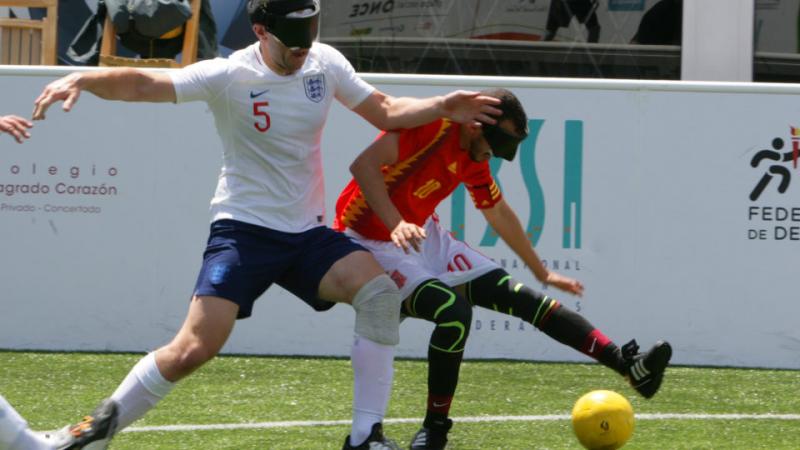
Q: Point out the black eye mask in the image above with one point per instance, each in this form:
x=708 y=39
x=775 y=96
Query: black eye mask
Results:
x=504 y=144
x=287 y=21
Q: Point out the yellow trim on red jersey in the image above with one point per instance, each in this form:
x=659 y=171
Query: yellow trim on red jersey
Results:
x=358 y=204
x=399 y=167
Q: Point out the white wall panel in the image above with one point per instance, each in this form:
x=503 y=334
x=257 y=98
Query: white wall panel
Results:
x=661 y=173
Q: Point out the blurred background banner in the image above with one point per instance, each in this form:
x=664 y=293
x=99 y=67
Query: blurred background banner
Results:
x=517 y=20
x=726 y=40
x=676 y=204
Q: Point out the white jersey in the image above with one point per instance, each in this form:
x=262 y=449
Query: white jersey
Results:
x=271 y=128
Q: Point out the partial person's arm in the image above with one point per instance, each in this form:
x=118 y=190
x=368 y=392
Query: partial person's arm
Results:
x=366 y=170
x=391 y=113
x=15 y=126
x=507 y=225
x=125 y=84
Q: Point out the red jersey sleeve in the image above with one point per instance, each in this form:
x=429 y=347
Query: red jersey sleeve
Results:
x=481 y=186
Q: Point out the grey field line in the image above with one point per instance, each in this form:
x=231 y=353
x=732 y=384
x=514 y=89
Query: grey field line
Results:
x=475 y=419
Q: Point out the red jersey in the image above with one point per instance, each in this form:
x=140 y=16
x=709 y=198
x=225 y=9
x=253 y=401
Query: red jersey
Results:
x=430 y=166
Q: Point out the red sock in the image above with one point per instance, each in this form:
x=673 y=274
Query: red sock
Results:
x=439 y=404
x=594 y=344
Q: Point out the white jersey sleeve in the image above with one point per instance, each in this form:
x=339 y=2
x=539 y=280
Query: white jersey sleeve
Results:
x=201 y=81
x=350 y=89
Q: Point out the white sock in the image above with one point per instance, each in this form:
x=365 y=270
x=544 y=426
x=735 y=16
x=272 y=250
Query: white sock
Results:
x=14 y=431
x=372 y=385
x=140 y=391
x=11 y=423
x=30 y=440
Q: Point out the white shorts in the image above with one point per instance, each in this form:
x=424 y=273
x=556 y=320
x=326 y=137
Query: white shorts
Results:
x=442 y=257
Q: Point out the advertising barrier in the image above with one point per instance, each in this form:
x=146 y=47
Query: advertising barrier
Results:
x=480 y=19
x=676 y=204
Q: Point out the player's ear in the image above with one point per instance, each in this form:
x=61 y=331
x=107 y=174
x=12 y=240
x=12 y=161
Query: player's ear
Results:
x=260 y=31
x=473 y=129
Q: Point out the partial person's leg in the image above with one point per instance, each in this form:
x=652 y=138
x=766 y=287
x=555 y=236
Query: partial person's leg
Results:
x=204 y=332
x=593 y=27
x=239 y=263
x=558 y=16
x=14 y=431
x=497 y=290
x=358 y=279
x=438 y=303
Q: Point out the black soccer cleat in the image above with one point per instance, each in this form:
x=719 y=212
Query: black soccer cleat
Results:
x=645 y=371
x=375 y=441
x=431 y=438
x=94 y=432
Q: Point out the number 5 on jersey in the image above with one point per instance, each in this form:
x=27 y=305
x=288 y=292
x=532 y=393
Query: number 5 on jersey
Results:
x=260 y=112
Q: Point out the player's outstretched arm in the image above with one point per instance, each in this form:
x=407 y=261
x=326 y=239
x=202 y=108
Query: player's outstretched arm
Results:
x=366 y=170
x=125 y=84
x=507 y=225
x=391 y=113
x=15 y=126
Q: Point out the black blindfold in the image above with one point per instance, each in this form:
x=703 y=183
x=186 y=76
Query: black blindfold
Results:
x=294 y=22
x=503 y=144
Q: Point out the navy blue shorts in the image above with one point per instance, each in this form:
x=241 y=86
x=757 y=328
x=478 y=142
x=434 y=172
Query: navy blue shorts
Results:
x=242 y=260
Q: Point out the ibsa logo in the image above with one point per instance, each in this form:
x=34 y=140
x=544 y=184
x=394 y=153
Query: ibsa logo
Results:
x=769 y=219
x=571 y=207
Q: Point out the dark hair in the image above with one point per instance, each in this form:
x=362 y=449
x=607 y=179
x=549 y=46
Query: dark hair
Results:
x=258 y=10
x=511 y=109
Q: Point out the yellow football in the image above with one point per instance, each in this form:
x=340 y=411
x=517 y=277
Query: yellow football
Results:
x=602 y=420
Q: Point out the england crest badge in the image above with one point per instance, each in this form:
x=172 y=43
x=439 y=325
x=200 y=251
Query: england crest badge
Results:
x=315 y=87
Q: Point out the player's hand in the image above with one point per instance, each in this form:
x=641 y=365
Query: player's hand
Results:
x=15 y=126
x=470 y=107
x=64 y=89
x=407 y=235
x=565 y=284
